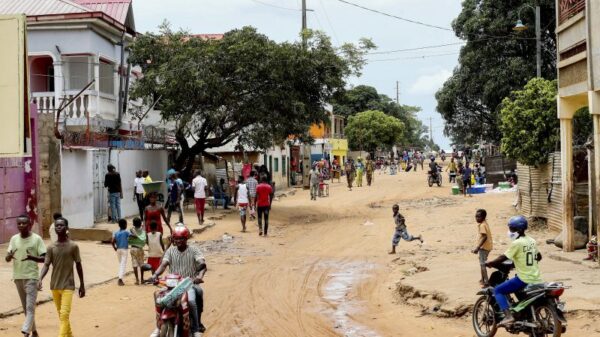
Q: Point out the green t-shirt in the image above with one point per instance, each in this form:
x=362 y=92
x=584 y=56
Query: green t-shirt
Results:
x=523 y=252
x=138 y=238
x=32 y=245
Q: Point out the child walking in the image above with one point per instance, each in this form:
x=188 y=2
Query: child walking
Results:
x=484 y=243
x=62 y=255
x=401 y=232
x=156 y=246
x=120 y=243
x=137 y=241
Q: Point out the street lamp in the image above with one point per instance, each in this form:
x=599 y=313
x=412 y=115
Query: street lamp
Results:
x=519 y=27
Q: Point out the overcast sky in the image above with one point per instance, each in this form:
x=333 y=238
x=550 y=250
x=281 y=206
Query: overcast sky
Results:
x=421 y=73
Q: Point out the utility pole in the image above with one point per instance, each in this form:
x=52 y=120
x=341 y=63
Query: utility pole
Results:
x=398 y=92
x=303 y=21
x=430 y=131
x=538 y=41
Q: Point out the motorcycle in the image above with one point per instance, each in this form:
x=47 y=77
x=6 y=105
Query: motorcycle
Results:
x=538 y=310
x=434 y=178
x=171 y=305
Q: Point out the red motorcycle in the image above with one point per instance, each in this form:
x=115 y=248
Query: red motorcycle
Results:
x=172 y=309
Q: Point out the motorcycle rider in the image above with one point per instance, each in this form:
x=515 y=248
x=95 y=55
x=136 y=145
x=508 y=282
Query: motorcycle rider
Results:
x=187 y=261
x=434 y=168
x=525 y=256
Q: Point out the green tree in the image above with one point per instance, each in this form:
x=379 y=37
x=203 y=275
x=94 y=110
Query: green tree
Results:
x=494 y=62
x=364 y=97
x=244 y=86
x=530 y=129
x=371 y=129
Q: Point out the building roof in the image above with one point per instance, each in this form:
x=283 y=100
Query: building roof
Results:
x=41 y=7
x=208 y=36
x=117 y=9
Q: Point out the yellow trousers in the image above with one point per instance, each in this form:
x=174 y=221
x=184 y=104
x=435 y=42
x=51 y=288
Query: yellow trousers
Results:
x=63 y=300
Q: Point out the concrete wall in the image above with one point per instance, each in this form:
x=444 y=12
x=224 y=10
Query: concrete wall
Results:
x=77 y=188
x=129 y=161
x=77 y=182
x=71 y=42
x=280 y=176
x=49 y=184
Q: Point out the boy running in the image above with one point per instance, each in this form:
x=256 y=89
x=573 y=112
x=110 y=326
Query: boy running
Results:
x=120 y=243
x=484 y=243
x=137 y=241
x=62 y=255
x=401 y=232
x=27 y=250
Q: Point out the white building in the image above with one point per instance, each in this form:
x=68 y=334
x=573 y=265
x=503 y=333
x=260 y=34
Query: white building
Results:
x=70 y=44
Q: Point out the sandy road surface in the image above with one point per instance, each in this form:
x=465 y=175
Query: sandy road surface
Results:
x=323 y=271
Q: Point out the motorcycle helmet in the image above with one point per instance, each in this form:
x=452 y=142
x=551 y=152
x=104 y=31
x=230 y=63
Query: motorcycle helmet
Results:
x=181 y=232
x=518 y=222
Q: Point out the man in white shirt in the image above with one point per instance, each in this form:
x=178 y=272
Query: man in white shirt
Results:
x=138 y=192
x=200 y=186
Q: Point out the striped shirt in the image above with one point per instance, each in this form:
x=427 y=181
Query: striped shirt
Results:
x=184 y=263
x=251 y=183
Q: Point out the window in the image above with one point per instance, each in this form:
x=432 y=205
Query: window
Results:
x=107 y=77
x=283 y=168
x=271 y=164
x=79 y=71
x=276 y=165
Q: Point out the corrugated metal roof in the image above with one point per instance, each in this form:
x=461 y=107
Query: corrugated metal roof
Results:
x=117 y=9
x=41 y=7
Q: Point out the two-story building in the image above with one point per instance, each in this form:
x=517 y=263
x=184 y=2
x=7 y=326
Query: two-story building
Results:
x=578 y=49
x=78 y=54
x=329 y=140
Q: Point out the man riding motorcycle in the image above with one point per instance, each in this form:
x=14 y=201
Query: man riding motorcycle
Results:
x=187 y=261
x=434 y=168
x=525 y=256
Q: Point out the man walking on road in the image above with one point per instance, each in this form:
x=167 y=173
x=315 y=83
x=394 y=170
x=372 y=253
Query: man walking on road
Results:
x=200 y=186
x=263 y=205
x=112 y=181
x=27 y=250
x=369 y=168
x=62 y=255
x=350 y=173
x=314 y=183
x=138 y=192
x=251 y=183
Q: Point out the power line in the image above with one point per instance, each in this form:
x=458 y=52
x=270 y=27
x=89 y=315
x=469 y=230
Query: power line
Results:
x=275 y=6
x=329 y=22
x=396 y=17
x=413 y=57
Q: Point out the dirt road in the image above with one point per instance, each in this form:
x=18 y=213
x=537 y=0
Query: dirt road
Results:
x=324 y=270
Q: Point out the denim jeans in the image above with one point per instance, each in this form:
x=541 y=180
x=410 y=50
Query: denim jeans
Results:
x=196 y=303
x=115 y=206
x=401 y=234
x=502 y=291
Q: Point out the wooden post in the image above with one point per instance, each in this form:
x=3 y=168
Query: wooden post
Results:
x=566 y=155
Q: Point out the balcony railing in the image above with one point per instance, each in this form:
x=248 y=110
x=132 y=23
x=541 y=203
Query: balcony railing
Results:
x=569 y=8
x=89 y=103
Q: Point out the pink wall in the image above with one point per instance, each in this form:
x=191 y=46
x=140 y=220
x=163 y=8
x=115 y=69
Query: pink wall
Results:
x=18 y=187
x=38 y=70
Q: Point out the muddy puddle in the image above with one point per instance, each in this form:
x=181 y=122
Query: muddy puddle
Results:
x=337 y=291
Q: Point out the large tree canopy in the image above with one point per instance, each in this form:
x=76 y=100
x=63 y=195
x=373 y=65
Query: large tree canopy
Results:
x=495 y=61
x=373 y=129
x=530 y=129
x=243 y=86
x=363 y=97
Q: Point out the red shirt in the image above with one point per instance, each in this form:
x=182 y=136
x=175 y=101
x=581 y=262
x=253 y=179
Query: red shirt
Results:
x=263 y=195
